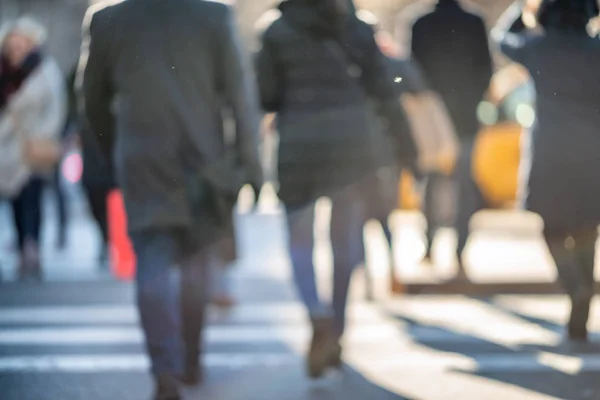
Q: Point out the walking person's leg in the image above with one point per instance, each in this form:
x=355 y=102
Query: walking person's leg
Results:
x=97 y=200
x=347 y=242
x=469 y=202
x=585 y=253
x=429 y=202
x=159 y=306
x=61 y=204
x=27 y=209
x=194 y=298
x=18 y=212
x=301 y=247
x=562 y=250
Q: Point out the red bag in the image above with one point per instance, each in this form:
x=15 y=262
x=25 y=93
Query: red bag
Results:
x=122 y=256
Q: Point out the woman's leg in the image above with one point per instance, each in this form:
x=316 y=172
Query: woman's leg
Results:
x=18 y=207
x=301 y=246
x=585 y=252
x=194 y=298
x=61 y=203
x=347 y=222
x=301 y=230
x=574 y=259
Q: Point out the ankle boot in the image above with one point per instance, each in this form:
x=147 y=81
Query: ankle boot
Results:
x=193 y=372
x=580 y=310
x=166 y=388
x=322 y=347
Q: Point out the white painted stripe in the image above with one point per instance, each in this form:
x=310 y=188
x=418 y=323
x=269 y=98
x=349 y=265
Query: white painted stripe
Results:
x=214 y=334
x=126 y=314
x=488 y=363
x=300 y=334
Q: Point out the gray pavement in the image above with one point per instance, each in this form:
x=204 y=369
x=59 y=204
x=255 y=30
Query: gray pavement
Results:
x=76 y=335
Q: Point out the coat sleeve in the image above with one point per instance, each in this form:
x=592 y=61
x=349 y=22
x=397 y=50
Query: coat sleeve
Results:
x=508 y=34
x=269 y=84
x=94 y=84
x=378 y=80
x=53 y=110
x=240 y=94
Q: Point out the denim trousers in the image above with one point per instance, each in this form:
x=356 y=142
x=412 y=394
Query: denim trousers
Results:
x=346 y=230
x=171 y=298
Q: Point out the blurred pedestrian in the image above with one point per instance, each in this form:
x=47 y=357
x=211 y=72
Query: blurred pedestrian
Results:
x=318 y=68
x=157 y=76
x=451 y=46
x=562 y=182
x=33 y=105
x=381 y=191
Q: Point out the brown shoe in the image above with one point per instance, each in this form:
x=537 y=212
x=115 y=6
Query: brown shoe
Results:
x=323 y=347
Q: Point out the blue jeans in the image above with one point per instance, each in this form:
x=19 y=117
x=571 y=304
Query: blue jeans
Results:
x=347 y=221
x=171 y=299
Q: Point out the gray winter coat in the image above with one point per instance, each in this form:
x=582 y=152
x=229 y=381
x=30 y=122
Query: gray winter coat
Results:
x=563 y=184
x=37 y=111
x=159 y=75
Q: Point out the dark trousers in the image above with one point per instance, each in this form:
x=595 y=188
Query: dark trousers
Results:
x=61 y=204
x=574 y=257
x=97 y=200
x=469 y=200
x=27 y=212
x=171 y=299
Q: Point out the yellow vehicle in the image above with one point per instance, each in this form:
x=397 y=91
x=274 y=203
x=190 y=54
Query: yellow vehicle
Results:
x=507 y=111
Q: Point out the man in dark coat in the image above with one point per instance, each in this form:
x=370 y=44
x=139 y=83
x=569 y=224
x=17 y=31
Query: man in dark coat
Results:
x=157 y=77
x=451 y=45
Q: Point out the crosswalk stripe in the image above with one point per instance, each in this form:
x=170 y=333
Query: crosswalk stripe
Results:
x=117 y=362
x=125 y=314
x=357 y=334
x=214 y=334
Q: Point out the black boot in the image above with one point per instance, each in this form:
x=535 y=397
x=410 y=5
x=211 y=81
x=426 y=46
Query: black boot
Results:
x=580 y=311
x=322 y=347
x=166 y=388
x=193 y=373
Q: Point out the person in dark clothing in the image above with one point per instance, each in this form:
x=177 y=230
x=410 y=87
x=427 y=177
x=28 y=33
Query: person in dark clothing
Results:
x=562 y=150
x=381 y=191
x=318 y=68
x=451 y=46
x=97 y=178
x=157 y=78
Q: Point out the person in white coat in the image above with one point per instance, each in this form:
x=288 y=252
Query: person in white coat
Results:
x=32 y=114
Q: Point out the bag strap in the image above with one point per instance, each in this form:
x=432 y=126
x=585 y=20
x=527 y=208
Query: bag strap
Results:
x=353 y=70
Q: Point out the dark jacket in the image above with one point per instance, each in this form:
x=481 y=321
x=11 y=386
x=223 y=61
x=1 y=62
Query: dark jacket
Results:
x=97 y=172
x=158 y=77
x=451 y=46
x=561 y=164
x=318 y=73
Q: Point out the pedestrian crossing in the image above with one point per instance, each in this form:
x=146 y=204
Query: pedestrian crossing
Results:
x=422 y=333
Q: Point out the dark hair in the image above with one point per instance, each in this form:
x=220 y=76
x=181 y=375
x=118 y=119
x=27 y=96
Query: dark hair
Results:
x=567 y=14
